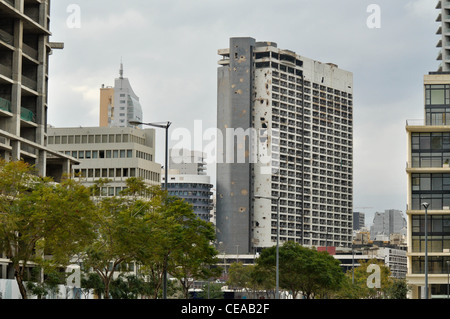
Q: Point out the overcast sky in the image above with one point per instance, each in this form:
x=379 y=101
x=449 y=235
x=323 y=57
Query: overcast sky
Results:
x=169 y=51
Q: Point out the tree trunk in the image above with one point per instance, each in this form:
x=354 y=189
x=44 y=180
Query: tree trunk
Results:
x=19 y=280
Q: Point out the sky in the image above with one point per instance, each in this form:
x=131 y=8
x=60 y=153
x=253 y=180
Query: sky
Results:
x=169 y=53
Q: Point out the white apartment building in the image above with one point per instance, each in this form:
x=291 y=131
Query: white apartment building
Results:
x=119 y=104
x=116 y=153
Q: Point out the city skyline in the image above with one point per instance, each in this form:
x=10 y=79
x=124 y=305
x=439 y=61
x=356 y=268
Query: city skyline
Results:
x=173 y=67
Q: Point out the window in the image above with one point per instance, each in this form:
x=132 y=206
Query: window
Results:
x=437 y=94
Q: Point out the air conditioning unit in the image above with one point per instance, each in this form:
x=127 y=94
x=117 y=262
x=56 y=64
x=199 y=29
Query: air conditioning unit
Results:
x=446 y=208
x=446 y=250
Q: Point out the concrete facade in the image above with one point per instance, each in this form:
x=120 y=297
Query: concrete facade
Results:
x=443 y=6
x=287 y=123
x=187 y=162
x=390 y=222
x=24 y=57
x=116 y=153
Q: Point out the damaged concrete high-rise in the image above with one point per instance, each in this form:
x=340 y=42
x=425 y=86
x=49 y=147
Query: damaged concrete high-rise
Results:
x=287 y=127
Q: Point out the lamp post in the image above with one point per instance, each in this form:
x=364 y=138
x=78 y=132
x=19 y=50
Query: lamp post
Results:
x=277 y=262
x=164 y=125
x=425 y=205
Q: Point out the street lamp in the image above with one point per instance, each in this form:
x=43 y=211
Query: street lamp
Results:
x=425 y=205
x=164 y=125
x=277 y=267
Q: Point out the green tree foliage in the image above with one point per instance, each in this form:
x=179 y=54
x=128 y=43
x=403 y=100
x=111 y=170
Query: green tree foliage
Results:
x=160 y=233
x=39 y=217
x=362 y=279
x=398 y=290
x=371 y=283
x=190 y=253
x=211 y=291
x=303 y=270
x=120 y=229
x=240 y=276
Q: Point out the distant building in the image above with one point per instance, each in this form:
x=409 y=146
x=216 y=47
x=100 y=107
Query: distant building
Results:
x=359 y=220
x=194 y=189
x=187 y=179
x=394 y=258
x=187 y=162
x=115 y=153
x=119 y=104
x=390 y=222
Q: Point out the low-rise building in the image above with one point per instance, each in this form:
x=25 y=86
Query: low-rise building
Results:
x=114 y=153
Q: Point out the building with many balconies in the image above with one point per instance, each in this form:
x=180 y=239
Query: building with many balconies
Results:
x=287 y=123
x=24 y=59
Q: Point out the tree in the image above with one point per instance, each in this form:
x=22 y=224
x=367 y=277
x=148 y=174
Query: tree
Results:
x=92 y=281
x=398 y=290
x=303 y=270
x=363 y=276
x=240 y=276
x=129 y=287
x=371 y=280
x=52 y=278
x=119 y=236
x=211 y=291
x=41 y=218
x=191 y=254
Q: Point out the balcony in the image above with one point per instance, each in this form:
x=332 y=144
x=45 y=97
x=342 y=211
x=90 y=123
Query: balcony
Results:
x=5 y=105
x=27 y=115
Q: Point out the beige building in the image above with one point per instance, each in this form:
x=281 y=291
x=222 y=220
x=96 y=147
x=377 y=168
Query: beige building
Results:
x=116 y=153
x=106 y=105
x=429 y=182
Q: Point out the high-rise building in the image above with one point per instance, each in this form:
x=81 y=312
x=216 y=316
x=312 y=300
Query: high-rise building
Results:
x=390 y=222
x=288 y=127
x=24 y=61
x=119 y=104
x=444 y=33
x=428 y=177
x=359 y=220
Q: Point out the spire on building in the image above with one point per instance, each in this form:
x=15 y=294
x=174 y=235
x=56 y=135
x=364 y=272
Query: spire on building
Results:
x=121 y=69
